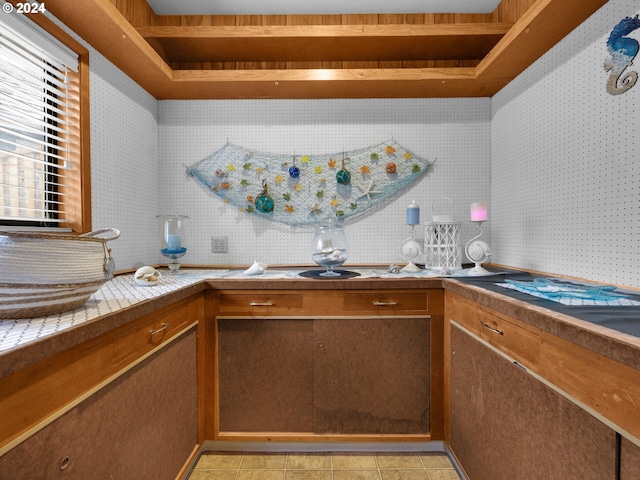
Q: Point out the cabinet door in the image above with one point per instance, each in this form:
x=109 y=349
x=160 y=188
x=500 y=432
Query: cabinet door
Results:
x=371 y=375
x=265 y=375
x=629 y=461
x=507 y=425
x=142 y=425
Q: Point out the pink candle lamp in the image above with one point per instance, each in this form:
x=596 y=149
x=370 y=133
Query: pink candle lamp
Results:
x=478 y=251
x=478 y=212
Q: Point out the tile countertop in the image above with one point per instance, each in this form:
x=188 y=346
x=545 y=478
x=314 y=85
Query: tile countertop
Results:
x=120 y=300
x=611 y=331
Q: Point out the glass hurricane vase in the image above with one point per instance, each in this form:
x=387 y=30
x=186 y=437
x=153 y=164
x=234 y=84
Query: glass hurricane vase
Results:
x=172 y=235
x=329 y=248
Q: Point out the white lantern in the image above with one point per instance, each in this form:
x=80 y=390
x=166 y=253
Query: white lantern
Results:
x=441 y=241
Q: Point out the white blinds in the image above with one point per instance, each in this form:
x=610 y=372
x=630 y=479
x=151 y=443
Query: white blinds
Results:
x=38 y=123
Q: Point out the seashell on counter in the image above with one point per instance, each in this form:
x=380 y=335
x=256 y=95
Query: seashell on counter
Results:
x=256 y=269
x=146 y=276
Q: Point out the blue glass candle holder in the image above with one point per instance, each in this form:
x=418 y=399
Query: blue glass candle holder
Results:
x=172 y=234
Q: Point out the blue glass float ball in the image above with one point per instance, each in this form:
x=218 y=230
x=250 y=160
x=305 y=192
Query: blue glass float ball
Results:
x=343 y=177
x=294 y=172
x=264 y=203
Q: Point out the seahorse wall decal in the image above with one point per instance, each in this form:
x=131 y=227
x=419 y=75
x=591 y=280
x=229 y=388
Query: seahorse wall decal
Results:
x=622 y=50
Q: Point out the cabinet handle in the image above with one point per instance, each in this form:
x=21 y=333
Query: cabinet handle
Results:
x=161 y=329
x=491 y=329
x=261 y=304
x=384 y=304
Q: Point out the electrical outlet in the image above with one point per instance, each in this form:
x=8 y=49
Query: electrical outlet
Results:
x=219 y=244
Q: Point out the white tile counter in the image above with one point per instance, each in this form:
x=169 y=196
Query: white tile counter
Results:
x=120 y=301
x=121 y=293
x=117 y=294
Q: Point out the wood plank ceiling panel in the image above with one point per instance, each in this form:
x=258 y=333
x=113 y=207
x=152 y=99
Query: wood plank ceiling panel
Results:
x=322 y=56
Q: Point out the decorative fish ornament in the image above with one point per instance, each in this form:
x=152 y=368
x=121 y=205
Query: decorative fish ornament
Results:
x=315 y=189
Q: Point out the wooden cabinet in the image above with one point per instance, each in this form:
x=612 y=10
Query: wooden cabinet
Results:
x=549 y=408
x=142 y=425
x=371 y=375
x=260 y=303
x=339 y=375
x=629 y=460
x=356 y=363
x=43 y=390
x=505 y=424
x=265 y=375
x=322 y=364
x=608 y=388
x=123 y=405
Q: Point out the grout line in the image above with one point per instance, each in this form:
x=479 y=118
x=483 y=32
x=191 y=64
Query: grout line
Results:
x=239 y=465
x=286 y=463
x=331 y=465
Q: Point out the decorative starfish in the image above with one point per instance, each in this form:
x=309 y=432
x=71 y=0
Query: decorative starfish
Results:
x=315 y=209
x=368 y=191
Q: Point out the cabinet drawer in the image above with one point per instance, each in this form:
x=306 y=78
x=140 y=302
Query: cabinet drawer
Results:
x=148 y=333
x=610 y=388
x=391 y=302
x=260 y=303
x=512 y=339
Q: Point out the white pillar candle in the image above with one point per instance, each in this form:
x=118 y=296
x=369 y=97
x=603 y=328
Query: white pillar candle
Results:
x=478 y=212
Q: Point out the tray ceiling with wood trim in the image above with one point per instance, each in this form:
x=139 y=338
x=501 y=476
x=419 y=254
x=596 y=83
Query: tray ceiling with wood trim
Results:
x=322 y=56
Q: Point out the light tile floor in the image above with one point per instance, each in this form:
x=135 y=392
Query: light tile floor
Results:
x=324 y=466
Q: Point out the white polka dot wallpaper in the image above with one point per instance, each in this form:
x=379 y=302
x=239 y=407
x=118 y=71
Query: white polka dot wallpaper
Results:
x=124 y=163
x=554 y=155
x=454 y=133
x=565 y=169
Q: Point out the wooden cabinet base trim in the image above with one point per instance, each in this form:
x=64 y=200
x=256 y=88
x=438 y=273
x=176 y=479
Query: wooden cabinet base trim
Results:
x=315 y=438
x=633 y=439
x=76 y=401
x=190 y=462
x=320 y=317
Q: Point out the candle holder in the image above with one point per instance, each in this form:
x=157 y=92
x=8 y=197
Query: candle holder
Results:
x=410 y=248
x=478 y=251
x=441 y=241
x=172 y=229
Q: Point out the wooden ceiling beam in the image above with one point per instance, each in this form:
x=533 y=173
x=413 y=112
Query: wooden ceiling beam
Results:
x=297 y=43
x=102 y=25
x=542 y=25
x=331 y=83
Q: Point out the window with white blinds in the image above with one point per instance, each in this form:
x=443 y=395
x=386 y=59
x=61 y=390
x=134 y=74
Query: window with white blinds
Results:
x=39 y=126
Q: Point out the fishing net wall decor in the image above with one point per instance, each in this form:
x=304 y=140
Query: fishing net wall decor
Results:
x=301 y=190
